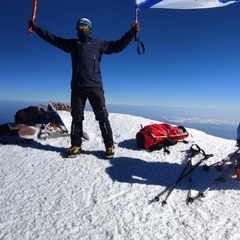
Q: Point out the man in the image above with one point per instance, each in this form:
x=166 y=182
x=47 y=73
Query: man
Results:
x=86 y=83
x=238 y=136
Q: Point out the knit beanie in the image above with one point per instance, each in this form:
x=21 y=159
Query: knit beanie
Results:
x=84 y=20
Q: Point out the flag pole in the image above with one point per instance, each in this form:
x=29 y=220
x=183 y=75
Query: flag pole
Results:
x=136 y=20
x=140 y=46
x=34 y=10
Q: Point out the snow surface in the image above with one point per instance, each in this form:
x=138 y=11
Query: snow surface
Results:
x=47 y=196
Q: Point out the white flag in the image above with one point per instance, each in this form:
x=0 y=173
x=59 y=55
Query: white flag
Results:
x=183 y=4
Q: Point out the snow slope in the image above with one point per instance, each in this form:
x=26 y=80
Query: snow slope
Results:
x=47 y=196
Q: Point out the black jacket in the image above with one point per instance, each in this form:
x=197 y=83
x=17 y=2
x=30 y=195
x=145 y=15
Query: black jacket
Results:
x=86 y=56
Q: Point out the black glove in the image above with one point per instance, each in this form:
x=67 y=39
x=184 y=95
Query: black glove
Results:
x=135 y=27
x=32 y=24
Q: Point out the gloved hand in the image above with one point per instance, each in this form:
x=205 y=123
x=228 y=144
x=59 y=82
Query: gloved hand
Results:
x=135 y=27
x=32 y=24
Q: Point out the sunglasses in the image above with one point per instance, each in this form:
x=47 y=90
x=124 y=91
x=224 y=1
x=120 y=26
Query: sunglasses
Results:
x=83 y=27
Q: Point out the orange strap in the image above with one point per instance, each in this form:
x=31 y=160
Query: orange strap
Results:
x=169 y=136
x=34 y=10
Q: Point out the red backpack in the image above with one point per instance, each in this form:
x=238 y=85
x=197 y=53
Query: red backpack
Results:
x=157 y=136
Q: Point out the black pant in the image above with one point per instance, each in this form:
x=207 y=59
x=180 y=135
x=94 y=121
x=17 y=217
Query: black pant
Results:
x=96 y=99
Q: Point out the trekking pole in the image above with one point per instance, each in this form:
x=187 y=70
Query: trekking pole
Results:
x=193 y=152
x=190 y=198
x=219 y=165
x=193 y=168
x=221 y=178
x=169 y=190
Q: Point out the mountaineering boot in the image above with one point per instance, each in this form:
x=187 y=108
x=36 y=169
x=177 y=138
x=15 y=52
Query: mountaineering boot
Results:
x=74 y=151
x=109 y=152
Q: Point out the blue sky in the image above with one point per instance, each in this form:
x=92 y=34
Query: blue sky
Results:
x=191 y=58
